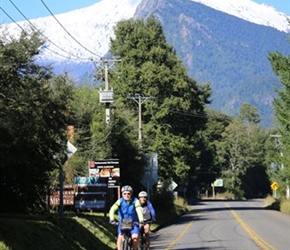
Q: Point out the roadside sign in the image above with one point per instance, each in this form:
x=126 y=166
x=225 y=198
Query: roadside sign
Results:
x=71 y=149
x=106 y=168
x=218 y=183
x=172 y=185
x=274 y=186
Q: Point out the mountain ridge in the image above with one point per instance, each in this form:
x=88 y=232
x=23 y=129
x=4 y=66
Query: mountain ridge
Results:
x=221 y=46
x=215 y=46
x=109 y=12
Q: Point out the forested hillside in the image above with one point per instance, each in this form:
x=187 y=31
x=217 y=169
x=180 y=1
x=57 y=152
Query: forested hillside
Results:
x=228 y=52
x=195 y=145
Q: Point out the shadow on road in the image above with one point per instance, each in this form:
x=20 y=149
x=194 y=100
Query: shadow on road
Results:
x=205 y=206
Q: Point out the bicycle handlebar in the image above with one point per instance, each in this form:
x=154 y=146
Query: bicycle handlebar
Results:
x=116 y=223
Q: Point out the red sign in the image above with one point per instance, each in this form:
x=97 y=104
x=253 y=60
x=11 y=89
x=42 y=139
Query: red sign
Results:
x=68 y=198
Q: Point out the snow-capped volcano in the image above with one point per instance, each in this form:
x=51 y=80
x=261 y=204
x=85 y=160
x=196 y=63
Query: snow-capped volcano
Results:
x=84 y=34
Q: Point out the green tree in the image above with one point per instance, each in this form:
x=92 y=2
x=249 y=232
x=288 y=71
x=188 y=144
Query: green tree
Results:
x=242 y=157
x=255 y=182
x=281 y=66
x=233 y=155
x=34 y=112
x=249 y=114
x=175 y=111
x=85 y=106
x=211 y=166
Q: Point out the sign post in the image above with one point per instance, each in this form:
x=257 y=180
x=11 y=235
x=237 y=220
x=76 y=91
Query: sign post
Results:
x=70 y=150
x=274 y=187
x=217 y=183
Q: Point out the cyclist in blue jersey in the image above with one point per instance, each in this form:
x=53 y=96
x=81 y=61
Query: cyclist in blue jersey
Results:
x=148 y=214
x=128 y=207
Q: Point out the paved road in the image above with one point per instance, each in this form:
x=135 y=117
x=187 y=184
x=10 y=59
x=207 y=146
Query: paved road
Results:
x=226 y=225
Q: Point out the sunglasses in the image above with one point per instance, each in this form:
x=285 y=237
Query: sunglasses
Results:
x=126 y=193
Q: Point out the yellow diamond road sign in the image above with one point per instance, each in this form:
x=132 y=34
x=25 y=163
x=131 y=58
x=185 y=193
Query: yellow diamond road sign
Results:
x=274 y=186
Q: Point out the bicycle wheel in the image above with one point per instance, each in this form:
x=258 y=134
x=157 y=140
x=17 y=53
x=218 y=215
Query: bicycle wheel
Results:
x=142 y=246
x=125 y=243
x=142 y=242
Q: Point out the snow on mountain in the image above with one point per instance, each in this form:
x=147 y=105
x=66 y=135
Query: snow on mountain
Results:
x=84 y=34
x=248 y=10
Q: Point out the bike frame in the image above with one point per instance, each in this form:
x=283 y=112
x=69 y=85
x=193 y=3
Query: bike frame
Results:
x=126 y=241
x=143 y=236
x=142 y=239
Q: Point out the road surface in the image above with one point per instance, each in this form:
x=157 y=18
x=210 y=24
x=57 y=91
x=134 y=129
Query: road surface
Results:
x=226 y=225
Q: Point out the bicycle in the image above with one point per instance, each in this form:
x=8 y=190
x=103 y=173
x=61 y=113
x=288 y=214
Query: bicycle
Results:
x=143 y=239
x=126 y=237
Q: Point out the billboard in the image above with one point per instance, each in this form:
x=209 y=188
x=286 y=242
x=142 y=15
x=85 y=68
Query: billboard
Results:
x=68 y=196
x=90 y=193
x=108 y=168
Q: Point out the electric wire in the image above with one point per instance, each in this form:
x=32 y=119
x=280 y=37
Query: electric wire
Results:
x=25 y=32
x=13 y=20
x=68 y=31
x=41 y=33
x=71 y=56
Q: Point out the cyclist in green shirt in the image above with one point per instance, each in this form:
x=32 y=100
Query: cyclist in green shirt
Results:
x=128 y=207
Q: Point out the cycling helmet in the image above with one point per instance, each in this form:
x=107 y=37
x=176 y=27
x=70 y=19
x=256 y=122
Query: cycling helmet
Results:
x=142 y=194
x=127 y=188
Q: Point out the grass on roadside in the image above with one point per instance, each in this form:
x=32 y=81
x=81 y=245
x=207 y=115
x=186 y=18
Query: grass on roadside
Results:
x=279 y=204
x=85 y=231
x=179 y=207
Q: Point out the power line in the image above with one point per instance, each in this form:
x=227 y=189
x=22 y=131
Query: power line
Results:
x=41 y=33
x=13 y=20
x=27 y=33
x=67 y=30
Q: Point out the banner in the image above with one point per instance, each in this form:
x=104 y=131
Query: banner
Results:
x=108 y=168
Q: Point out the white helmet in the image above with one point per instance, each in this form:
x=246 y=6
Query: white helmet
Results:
x=142 y=194
x=127 y=188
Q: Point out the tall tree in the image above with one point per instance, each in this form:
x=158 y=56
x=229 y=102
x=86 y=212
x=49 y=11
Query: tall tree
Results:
x=210 y=168
x=34 y=111
x=174 y=111
x=281 y=67
x=242 y=156
x=233 y=152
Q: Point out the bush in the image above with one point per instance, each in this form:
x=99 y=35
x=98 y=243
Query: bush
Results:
x=225 y=195
x=272 y=203
x=285 y=206
x=163 y=199
x=3 y=246
x=174 y=208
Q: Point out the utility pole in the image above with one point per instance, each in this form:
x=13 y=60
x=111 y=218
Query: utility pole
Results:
x=278 y=145
x=139 y=100
x=107 y=95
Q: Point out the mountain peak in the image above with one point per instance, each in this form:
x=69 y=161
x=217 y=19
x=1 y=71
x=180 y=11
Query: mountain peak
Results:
x=262 y=14
x=93 y=26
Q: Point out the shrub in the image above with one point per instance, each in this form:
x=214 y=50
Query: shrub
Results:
x=225 y=195
x=272 y=203
x=163 y=199
x=285 y=206
x=3 y=246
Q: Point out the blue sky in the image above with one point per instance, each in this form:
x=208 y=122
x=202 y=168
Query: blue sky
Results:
x=35 y=8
